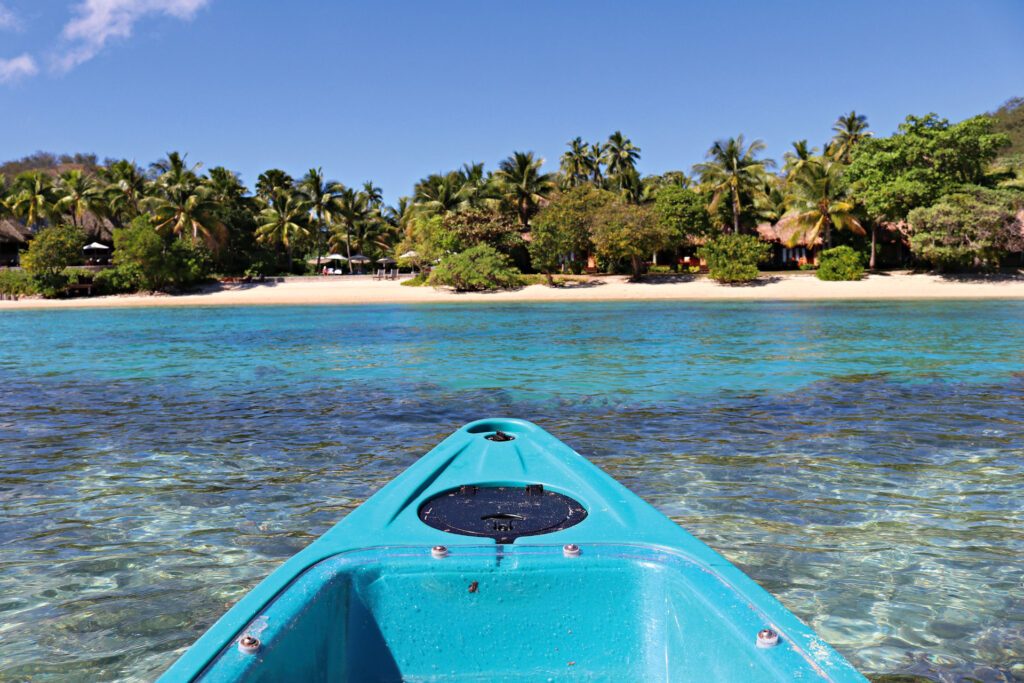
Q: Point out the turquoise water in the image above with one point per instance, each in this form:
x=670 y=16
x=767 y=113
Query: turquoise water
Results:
x=864 y=462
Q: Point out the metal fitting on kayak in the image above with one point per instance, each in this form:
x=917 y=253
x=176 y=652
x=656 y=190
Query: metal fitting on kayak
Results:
x=571 y=550
x=767 y=638
x=439 y=551
x=248 y=645
x=499 y=436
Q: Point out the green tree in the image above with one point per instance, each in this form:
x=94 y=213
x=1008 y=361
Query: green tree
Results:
x=182 y=206
x=285 y=221
x=51 y=251
x=323 y=198
x=76 y=195
x=523 y=185
x=684 y=211
x=819 y=201
x=271 y=182
x=471 y=227
x=850 y=130
x=630 y=232
x=621 y=156
x=969 y=229
x=576 y=163
x=33 y=198
x=927 y=158
x=561 y=231
x=440 y=194
x=124 y=191
x=733 y=170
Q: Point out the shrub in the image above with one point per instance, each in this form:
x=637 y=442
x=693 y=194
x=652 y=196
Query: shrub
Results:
x=417 y=280
x=477 y=269
x=146 y=259
x=841 y=263
x=123 y=279
x=734 y=258
x=49 y=253
x=16 y=283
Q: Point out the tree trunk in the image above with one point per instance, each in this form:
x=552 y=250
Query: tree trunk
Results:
x=735 y=211
x=637 y=267
x=348 y=247
x=874 y=235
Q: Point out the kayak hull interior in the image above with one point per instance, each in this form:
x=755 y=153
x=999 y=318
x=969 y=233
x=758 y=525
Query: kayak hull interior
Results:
x=371 y=600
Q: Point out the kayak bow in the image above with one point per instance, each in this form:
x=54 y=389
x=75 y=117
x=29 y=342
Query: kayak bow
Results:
x=503 y=555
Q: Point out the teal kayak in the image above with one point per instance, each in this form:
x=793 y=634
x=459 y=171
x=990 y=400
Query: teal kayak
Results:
x=503 y=555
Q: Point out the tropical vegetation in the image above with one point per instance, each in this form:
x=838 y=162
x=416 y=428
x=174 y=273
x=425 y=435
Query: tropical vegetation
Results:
x=933 y=194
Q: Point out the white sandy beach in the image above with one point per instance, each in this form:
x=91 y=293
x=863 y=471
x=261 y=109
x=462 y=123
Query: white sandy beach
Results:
x=364 y=290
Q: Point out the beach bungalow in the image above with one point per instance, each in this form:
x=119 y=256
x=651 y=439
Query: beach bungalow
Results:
x=13 y=238
x=791 y=246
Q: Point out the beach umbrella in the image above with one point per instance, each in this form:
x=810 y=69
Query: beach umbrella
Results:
x=95 y=245
x=386 y=260
x=409 y=254
x=334 y=257
x=358 y=258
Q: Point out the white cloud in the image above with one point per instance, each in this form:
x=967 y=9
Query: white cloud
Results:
x=97 y=21
x=8 y=20
x=17 y=67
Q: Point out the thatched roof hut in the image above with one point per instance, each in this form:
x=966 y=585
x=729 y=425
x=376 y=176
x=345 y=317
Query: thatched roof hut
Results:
x=788 y=232
x=13 y=232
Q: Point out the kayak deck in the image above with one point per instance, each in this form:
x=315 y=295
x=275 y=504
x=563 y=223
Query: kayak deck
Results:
x=503 y=555
x=613 y=612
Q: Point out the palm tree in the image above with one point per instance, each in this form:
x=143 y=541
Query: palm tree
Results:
x=284 y=221
x=33 y=198
x=733 y=169
x=441 y=194
x=576 y=163
x=181 y=205
x=634 y=189
x=175 y=165
x=621 y=156
x=850 y=130
x=76 y=195
x=125 y=189
x=523 y=185
x=818 y=203
x=323 y=198
x=795 y=161
x=595 y=160
x=353 y=212
x=224 y=185
x=270 y=181
x=374 y=195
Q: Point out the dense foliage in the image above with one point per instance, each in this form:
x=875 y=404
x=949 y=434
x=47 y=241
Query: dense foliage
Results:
x=477 y=269
x=841 y=263
x=52 y=251
x=631 y=233
x=969 y=230
x=597 y=209
x=734 y=258
x=562 y=232
x=16 y=283
x=147 y=260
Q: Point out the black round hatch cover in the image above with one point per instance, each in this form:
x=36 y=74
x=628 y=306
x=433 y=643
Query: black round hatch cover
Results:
x=503 y=513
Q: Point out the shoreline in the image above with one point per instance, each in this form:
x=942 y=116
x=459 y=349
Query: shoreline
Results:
x=358 y=290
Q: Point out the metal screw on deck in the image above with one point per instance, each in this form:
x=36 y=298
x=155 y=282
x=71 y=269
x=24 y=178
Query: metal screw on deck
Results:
x=439 y=551
x=571 y=550
x=248 y=645
x=767 y=638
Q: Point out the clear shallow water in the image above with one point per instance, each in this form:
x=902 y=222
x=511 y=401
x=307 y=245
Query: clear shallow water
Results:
x=864 y=462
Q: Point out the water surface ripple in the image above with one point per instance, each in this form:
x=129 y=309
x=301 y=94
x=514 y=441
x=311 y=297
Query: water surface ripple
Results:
x=863 y=462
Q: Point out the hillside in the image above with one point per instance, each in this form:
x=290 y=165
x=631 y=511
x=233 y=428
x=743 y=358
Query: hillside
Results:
x=1010 y=120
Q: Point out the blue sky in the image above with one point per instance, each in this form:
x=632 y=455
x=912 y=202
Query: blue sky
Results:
x=391 y=91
